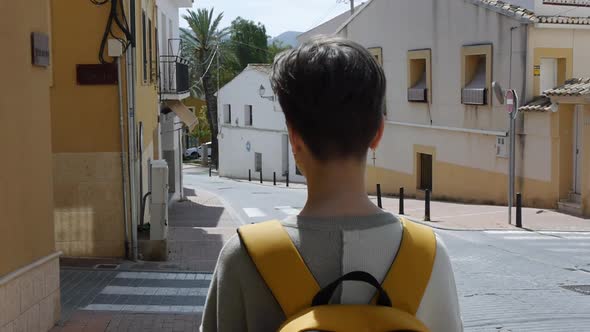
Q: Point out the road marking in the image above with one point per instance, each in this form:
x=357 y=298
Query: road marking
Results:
x=507 y=232
x=254 y=212
x=167 y=291
x=565 y=233
x=576 y=250
x=145 y=308
x=532 y=237
x=288 y=210
x=165 y=276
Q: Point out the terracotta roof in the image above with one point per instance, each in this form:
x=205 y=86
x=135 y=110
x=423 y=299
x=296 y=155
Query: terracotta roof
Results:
x=526 y=15
x=538 y=104
x=572 y=87
x=264 y=68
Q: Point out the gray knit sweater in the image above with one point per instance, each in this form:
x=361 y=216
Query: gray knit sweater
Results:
x=239 y=300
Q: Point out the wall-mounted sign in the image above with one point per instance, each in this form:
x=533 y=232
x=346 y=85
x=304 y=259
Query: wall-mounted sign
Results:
x=40 y=49
x=537 y=70
x=96 y=74
x=248 y=146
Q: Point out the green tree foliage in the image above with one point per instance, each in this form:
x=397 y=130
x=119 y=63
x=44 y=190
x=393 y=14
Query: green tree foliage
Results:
x=202 y=132
x=275 y=48
x=202 y=45
x=249 y=42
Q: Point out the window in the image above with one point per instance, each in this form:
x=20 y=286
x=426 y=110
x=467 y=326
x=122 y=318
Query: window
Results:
x=377 y=52
x=144 y=46
x=227 y=113
x=248 y=115
x=192 y=109
x=257 y=162
x=425 y=167
x=476 y=74
x=150 y=52
x=419 y=79
x=548 y=75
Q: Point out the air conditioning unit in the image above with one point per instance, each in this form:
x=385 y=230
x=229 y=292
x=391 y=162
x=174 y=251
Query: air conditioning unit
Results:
x=159 y=201
x=501 y=146
x=474 y=96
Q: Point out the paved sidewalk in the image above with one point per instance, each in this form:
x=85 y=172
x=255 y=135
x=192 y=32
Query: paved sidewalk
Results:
x=151 y=296
x=456 y=216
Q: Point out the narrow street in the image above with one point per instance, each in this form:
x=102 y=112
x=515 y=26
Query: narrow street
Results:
x=507 y=280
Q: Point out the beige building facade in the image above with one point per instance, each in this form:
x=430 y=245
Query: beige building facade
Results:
x=445 y=130
x=29 y=262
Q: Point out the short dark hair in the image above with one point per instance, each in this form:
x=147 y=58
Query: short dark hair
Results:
x=331 y=90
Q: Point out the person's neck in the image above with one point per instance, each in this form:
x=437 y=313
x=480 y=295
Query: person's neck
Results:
x=338 y=189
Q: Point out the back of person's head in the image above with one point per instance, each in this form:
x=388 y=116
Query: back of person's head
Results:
x=331 y=91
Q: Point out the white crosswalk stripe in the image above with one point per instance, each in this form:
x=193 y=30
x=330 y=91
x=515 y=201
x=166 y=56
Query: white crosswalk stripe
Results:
x=166 y=276
x=167 y=291
x=574 y=243
x=145 y=308
x=288 y=210
x=254 y=212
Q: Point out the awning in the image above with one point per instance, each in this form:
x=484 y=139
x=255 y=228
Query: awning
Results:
x=185 y=115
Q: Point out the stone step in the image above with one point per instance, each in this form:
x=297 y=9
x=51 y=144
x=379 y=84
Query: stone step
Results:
x=570 y=207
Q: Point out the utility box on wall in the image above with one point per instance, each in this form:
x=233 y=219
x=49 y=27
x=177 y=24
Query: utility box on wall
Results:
x=501 y=146
x=159 y=203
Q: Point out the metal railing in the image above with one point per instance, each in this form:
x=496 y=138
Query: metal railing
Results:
x=174 y=75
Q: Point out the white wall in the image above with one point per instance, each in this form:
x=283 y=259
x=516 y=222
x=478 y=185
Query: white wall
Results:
x=170 y=10
x=444 y=26
x=265 y=134
x=549 y=10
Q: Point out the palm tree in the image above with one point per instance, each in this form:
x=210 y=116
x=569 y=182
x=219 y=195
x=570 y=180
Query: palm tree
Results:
x=203 y=43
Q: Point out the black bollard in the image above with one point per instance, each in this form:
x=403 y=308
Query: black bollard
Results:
x=427 y=206
x=287 y=179
x=401 y=200
x=379 y=196
x=519 y=210
x=260 y=176
x=274 y=178
x=249 y=175
x=209 y=170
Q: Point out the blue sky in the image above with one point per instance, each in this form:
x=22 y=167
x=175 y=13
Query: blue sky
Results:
x=277 y=15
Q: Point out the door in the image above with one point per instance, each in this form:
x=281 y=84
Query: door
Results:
x=425 y=181
x=578 y=123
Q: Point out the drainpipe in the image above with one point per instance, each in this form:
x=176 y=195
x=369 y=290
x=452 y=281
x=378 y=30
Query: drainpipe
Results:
x=131 y=139
x=123 y=159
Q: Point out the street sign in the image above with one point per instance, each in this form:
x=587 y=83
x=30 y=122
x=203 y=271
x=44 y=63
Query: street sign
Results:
x=510 y=101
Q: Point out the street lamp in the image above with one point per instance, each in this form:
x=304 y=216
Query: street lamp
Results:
x=262 y=91
x=509 y=97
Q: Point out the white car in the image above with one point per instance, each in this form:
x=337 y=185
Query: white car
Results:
x=197 y=152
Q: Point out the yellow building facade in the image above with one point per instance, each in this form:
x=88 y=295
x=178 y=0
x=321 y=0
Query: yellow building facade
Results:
x=102 y=137
x=29 y=262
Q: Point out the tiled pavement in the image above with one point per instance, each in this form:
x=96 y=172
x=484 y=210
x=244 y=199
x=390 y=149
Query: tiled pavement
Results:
x=109 y=300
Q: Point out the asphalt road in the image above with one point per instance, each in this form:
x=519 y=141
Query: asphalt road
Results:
x=507 y=280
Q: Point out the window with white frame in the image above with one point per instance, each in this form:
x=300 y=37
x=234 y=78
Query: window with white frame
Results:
x=248 y=115
x=227 y=114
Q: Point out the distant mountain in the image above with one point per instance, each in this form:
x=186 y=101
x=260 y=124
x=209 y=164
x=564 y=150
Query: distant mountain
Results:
x=287 y=38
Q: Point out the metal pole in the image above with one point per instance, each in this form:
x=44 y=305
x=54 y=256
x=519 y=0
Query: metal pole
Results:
x=124 y=166
x=274 y=178
x=287 y=179
x=512 y=160
x=427 y=206
x=351 y=7
x=260 y=175
x=519 y=210
x=401 y=200
x=249 y=175
x=379 y=196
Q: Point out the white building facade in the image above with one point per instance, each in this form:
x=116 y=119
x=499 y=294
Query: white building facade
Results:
x=444 y=129
x=253 y=136
x=173 y=88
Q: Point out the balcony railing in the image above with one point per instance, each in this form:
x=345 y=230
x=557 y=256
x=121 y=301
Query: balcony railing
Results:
x=174 y=77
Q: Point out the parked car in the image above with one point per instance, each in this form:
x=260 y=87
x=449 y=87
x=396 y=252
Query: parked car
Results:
x=197 y=152
x=191 y=153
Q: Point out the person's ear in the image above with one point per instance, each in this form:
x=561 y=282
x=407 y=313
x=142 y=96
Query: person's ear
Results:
x=377 y=139
x=296 y=141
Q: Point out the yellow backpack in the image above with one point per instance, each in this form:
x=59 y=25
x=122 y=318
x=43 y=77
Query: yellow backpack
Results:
x=307 y=307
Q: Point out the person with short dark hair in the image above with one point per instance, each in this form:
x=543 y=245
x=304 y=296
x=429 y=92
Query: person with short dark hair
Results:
x=331 y=91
